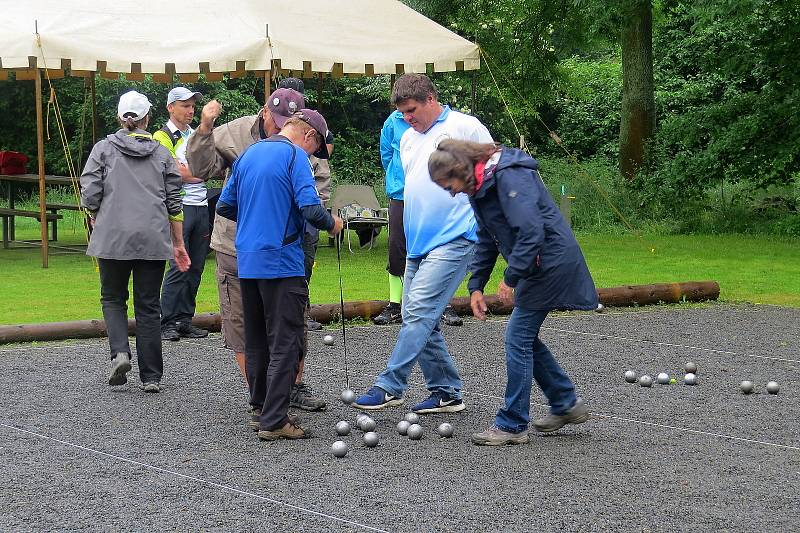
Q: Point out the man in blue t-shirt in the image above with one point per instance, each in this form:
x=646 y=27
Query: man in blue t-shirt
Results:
x=440 y=237
x=271 y=196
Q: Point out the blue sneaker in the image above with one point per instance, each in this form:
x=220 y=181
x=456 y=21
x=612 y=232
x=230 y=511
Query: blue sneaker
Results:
x=439 y=403
x=376 y=398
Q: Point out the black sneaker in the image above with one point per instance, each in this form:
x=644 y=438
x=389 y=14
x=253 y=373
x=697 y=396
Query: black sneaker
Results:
x=391 y=314
x=170 y=333
x=188 y=331
x=313 y=325
x=302 y=397
x=451 y=318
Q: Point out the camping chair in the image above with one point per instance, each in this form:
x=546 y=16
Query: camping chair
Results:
x=358 y=208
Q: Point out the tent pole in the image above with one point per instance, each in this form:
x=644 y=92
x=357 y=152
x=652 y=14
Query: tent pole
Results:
x=94 y=108
x=40 y=158
x=320 y=87
x=267 y=84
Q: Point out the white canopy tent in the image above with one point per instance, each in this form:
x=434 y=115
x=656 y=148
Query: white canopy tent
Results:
x=149 y=36
x=137 y=37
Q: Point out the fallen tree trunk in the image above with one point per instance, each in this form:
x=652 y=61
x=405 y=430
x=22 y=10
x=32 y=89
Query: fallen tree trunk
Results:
x=630 y=295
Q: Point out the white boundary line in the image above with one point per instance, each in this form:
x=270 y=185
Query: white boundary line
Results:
x=227 y=488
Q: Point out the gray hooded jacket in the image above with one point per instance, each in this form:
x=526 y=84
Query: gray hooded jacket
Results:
x=132 y=185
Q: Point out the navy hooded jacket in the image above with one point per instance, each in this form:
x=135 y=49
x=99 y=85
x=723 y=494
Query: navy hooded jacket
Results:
x=518 y=218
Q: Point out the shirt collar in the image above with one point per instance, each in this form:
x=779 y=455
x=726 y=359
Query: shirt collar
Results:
x=441 y=118
x=173 y=128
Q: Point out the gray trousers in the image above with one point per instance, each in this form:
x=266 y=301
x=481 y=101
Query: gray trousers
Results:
x=114 y=277
x=179 y=294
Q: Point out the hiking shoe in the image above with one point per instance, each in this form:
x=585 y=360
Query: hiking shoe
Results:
x=439 y=403
x=577 y=414
x=313 y=325
x=391 y=314
x=494 y=436
x=152 y=386
x=188 y=331
x=302 y=397
x=288 y=431
x=451 y=318
x=120 y=365
x=170 y=333
x=376 y=398
x=255 y=414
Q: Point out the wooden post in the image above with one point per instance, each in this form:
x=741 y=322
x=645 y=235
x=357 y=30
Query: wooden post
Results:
x=391 y=88
x=40 y=157
x=474 y=92
x=94 y=108
x=320 y=87
x=267 y=85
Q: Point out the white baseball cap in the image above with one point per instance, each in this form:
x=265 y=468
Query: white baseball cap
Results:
x=182 y=93
x=133 y=103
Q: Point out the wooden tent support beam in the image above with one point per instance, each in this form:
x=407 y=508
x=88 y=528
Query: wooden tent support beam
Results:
x=691 y=291
x=40 y=158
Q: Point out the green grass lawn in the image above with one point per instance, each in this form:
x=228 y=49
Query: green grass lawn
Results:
x=755 y=269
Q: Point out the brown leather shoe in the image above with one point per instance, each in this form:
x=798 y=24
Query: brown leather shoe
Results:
x=288 y=431
x=255 y=414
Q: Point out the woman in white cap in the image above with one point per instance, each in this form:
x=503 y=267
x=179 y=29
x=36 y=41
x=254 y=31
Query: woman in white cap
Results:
x=130 y=188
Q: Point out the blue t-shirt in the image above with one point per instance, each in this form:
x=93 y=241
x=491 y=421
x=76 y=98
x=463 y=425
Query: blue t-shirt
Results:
x=391 y=133
x=270 y=225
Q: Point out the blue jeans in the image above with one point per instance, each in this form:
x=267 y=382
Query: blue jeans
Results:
x=429 y=283
x=527 y=358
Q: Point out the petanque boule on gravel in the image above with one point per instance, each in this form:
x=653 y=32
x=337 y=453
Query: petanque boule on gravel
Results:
x=348 y=396
x=339 y=448
x=367 y=424
x=746 y=387
x=630 y=376
x=690 y=379
x=445 y=430
x=414 y=432
x=370 y=439
x=773 y=387
x=402 y=427
x=662 y=378
x=412 y=418
x=690 y=368
x=328 y=340
x=646 y=381
x=343 y=428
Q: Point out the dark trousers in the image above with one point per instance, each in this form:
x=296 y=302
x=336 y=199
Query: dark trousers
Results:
x=310 y=242
x=114 y=276
x=397 y=240
x=178 y=297
x=274 y=319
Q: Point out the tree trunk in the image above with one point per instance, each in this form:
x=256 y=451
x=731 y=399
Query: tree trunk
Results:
x=638 y=100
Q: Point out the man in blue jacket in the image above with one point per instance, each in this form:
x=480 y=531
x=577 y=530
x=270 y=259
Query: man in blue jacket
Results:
x=271 y=196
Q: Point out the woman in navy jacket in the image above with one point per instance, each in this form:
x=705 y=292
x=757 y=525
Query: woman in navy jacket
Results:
x=518 y=218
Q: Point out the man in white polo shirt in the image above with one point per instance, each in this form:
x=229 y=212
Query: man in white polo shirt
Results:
x=441 y=232
x=179 y=293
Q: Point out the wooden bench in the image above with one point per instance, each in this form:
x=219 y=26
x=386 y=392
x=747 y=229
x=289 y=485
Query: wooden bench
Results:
x=9 y=214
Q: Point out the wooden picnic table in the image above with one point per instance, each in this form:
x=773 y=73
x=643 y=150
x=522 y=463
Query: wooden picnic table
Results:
x=10 y=213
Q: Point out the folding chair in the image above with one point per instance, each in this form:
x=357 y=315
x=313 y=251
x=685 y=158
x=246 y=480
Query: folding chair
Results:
x=358 y=208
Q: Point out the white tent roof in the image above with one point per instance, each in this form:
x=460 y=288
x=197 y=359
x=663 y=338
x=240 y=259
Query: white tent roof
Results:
x=149 y=36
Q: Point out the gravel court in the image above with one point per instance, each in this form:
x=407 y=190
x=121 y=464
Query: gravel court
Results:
x=608 y=474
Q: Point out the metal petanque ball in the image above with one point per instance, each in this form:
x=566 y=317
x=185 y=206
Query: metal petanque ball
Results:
x=445 y=430
x=402 y=427
x=328 y=339
x=646 y=381
x=690 y=379
x=630 y=376
x=343 y=428
x=690 y=368
x=370 y=439
x=348 y=396
x=662 y=378
x=339 y=448
x=412 y=418
x=414 y=432
x=746 y=387
x=773 y=387
x=367 y=424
